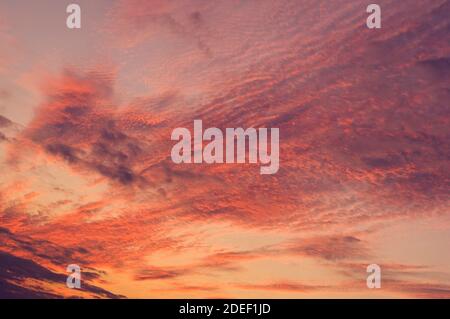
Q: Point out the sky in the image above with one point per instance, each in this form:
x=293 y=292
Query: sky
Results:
x=86 y=117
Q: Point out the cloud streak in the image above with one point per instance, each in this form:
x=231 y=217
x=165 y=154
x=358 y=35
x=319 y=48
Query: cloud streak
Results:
x=364 y=149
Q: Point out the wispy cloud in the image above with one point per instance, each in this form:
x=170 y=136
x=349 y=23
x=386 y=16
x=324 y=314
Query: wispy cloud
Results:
x=364 y=146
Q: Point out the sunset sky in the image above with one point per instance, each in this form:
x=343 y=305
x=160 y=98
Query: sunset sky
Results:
x=86 y=117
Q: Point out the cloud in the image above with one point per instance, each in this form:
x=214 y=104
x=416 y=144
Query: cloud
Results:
x=157 y=274
x=331 y=247
x=78 y=124
x=4 y=122
x=134 y=22
x=16 y=271
x=283 y=286
x=364 y=144
x=421 y=290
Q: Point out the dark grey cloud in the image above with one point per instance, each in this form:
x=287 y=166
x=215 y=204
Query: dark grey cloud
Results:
x=4 y=122
x=16 y=269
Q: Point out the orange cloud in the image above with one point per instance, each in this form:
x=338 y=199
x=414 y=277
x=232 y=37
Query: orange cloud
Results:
x=364 y=146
